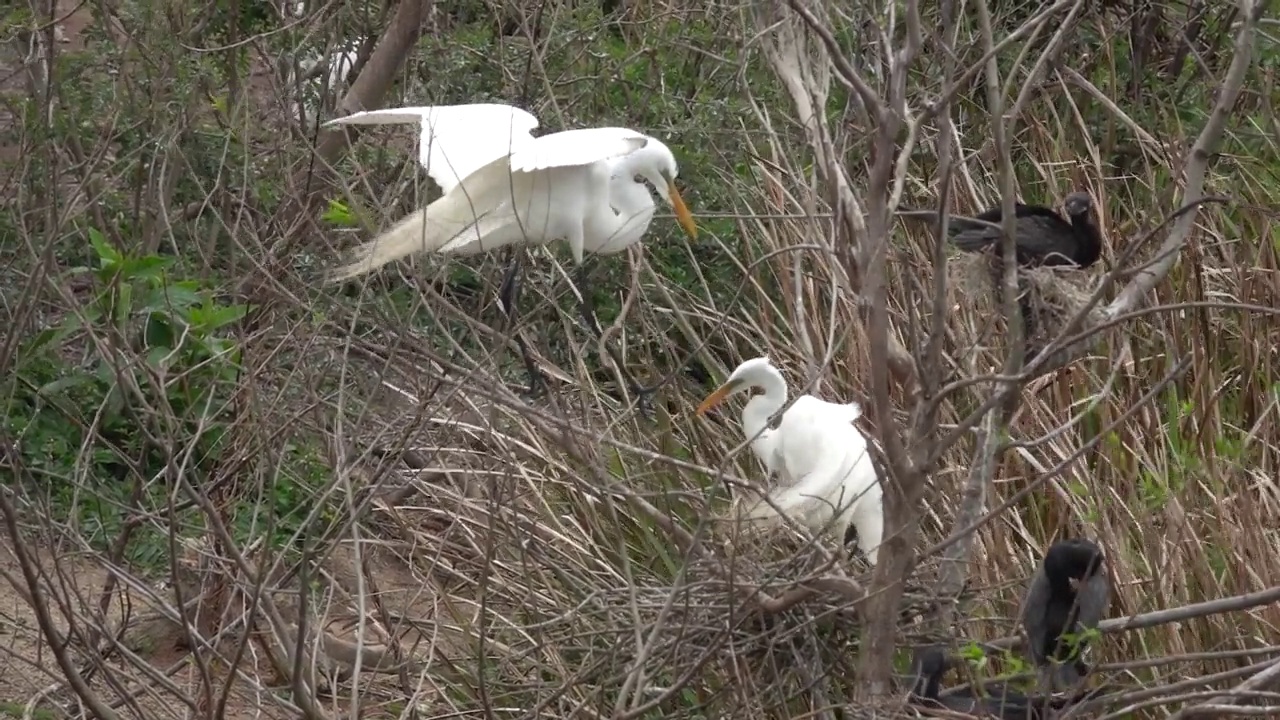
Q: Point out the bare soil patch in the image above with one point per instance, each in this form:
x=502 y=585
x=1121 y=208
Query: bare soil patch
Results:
x=30 y=672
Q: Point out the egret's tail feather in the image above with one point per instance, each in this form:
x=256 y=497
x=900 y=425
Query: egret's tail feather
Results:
x=410 y=235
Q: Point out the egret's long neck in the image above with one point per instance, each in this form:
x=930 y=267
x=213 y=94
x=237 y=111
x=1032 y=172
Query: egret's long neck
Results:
x=755 y=416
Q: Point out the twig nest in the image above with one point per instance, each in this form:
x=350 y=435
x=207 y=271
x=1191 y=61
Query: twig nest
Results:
x=970 y=282
x=1058 y=293
x=1054 y=294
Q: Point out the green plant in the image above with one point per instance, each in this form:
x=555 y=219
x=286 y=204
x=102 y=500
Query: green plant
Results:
x=153 y=384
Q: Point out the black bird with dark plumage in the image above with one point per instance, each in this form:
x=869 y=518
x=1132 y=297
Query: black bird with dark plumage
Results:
x=929 y=663
x=1068 y=595
x=1042 y=236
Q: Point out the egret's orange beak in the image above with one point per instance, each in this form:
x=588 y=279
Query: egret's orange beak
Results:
x=683 y=216
x=716 y=397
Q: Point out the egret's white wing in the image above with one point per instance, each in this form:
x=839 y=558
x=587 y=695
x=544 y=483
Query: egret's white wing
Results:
x=824 y=456
x=456 y=140
x=493 y=187
x=569 y=148
x=479 y=197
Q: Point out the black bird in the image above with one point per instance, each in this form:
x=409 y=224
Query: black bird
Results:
x=928 y=665
x=1042 y=236
x=1068 y=594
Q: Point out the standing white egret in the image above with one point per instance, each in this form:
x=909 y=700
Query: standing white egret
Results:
x=824 y=469
x=502 y=186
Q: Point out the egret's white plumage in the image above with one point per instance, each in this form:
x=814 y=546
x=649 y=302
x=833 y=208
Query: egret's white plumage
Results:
x=824 y=469
x=339 y=66
x=503 y=186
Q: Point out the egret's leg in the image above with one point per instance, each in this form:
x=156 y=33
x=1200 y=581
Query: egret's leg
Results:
x=588 y=308
x=508 y=295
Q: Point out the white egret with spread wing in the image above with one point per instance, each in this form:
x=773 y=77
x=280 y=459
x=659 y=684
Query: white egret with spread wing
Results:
x=826 y=479
x=502 y=186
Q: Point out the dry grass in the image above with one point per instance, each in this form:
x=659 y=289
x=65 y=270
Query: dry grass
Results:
x=565 y=557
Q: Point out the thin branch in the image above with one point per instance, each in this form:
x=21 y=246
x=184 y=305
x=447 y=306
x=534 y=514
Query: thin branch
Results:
x=1156 y=618
x=1226 y=704
x=1197 y=167
x=40 y=604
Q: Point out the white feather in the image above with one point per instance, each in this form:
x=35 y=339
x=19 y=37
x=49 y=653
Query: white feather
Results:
x=503 y=186
x=826 y=478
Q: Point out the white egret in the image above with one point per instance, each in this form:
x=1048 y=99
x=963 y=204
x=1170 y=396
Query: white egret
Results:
x=502 y=186
x=336 y=69
x=824 y=469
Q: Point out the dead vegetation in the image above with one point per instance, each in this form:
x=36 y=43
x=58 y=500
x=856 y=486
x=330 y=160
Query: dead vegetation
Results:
x=321 y=501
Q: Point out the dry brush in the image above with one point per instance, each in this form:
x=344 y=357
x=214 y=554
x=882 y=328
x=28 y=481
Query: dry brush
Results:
x=362 y=514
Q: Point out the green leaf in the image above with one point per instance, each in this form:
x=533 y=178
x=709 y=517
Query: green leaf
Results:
x=184 y=295
x=339 y=214
x=55 y=335
x=156 y=356
x=213 y=317
x=159 y=331
x=108 y=257
x=151 y=267
x=63 y=384
x=124 y=304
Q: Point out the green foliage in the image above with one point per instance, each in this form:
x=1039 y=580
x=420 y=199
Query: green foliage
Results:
x=339 y=214
x=149 y=397
x=10 y=709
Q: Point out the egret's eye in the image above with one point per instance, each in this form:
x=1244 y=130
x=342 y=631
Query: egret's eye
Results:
x=638 y=179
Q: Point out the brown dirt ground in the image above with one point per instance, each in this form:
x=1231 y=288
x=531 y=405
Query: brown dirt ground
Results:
x=70 y=36
x=28 y=668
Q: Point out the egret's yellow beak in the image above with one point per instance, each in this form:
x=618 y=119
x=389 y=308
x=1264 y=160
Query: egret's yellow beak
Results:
x=716 y=397
x=683 y=215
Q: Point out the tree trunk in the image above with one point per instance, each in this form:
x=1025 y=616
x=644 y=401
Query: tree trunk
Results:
x=897 y=559
x=367 y=92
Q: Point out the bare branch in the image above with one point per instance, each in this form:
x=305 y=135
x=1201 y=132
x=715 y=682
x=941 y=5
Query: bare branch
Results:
x=40 y=603
x=1166 y=616
x=367 y=91
x=1198 y=162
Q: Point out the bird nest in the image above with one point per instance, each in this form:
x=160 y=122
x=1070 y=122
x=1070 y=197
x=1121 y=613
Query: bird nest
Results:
x=771 y=554
x=1054 y=296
